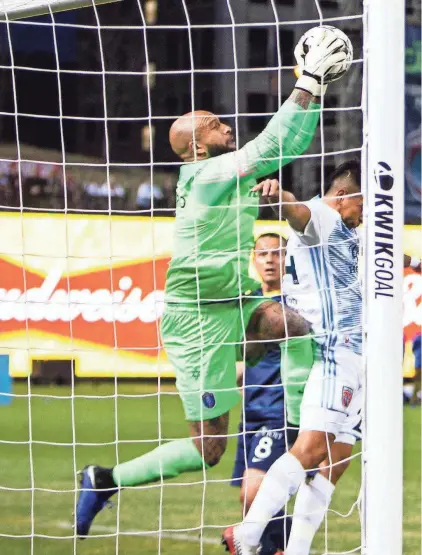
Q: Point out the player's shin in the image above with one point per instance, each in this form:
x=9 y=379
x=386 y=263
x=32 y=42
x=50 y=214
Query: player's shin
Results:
x=166 y=461
x=279 y=484
x=311 y=505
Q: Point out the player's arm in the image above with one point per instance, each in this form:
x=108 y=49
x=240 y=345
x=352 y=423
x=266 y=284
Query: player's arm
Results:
x=287 y=135
x=412 y=262
x=290 y=131
x=313 y=222
x=295 y=212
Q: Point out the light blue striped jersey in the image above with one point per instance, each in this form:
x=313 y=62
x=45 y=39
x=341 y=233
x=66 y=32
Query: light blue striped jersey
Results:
x=321 y=280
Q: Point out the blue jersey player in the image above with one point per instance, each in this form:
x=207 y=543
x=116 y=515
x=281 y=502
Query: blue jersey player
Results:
x=262 y=430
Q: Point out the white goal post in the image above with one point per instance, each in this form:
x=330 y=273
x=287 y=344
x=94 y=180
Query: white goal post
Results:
x=384 y=136
x=382 y=152
x=17 y=9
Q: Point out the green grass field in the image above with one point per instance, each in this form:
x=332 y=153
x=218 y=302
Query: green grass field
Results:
x=40 y=520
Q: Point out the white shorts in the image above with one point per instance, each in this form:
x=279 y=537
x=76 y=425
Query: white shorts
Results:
x=332 y=400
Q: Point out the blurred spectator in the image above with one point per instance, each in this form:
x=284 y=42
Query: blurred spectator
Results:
x=73 y=191
x=117 y=190
x=4 y=189
x=102 y=197
x=116 y=193
x=92 y=189
x=91 y=198
x=169 y=191
x=5 y=196
x=144 y=199
x=44 y=185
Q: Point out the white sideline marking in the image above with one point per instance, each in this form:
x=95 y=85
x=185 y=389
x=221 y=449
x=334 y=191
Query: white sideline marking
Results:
x=179 y=536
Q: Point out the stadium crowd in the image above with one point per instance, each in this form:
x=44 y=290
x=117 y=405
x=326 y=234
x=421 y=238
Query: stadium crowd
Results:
x=43 y=186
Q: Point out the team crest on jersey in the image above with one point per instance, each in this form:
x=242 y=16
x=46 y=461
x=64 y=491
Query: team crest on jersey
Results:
x=346 y=396
x=209 y=400
x=354 y=250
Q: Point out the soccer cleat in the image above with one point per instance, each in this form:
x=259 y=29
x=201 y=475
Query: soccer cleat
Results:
x=91 y=501
x=232 y=540
x=227 y=540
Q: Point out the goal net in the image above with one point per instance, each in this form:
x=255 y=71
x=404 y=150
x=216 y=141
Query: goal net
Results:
x=88 y=198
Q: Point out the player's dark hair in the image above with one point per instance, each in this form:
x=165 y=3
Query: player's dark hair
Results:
x=350 y=168
x=274 y=235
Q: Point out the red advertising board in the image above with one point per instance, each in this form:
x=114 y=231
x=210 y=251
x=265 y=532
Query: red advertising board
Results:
x=91 y=289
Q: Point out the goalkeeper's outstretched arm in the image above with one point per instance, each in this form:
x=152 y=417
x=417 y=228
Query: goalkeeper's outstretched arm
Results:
x=287 y=135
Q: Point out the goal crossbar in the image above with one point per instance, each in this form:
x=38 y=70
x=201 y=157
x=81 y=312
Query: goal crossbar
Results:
x=18 y=9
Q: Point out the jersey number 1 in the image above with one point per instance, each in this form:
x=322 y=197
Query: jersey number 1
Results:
x=291 y=269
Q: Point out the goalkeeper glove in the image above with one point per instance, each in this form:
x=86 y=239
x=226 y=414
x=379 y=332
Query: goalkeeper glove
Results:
x=324 y=56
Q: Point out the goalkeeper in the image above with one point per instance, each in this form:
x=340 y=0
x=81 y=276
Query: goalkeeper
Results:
x=208 y=313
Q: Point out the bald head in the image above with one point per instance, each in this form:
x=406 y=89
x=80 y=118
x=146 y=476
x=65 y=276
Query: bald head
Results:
x=199 y=135
x=184 y=129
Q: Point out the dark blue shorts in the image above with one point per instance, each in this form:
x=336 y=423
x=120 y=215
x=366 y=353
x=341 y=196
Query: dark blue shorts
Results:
x=417 y=351
x=258 y=448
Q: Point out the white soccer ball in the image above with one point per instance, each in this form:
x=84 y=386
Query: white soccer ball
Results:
x=315 y=35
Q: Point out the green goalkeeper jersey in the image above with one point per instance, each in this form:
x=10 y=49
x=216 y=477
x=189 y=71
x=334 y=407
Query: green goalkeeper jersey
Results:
x=216 y=211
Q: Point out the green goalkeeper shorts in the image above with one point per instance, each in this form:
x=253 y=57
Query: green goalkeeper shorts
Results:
x=203 y=345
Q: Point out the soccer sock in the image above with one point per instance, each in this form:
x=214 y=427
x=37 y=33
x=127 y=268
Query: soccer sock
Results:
x=276 y=534
x=311 y=505
x=279 y=484
x=167 y=461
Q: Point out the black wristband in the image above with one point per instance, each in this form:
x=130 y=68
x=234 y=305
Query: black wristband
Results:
x=317 y=79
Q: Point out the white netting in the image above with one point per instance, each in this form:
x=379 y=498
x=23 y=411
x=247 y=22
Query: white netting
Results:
x=87 y=193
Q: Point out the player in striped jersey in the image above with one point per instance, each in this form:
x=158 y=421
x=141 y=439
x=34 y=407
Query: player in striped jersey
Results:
x=329 y=266
x=321 y=282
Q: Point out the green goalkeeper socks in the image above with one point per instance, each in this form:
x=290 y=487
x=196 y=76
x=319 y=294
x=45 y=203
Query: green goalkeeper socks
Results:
x=167 y=461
